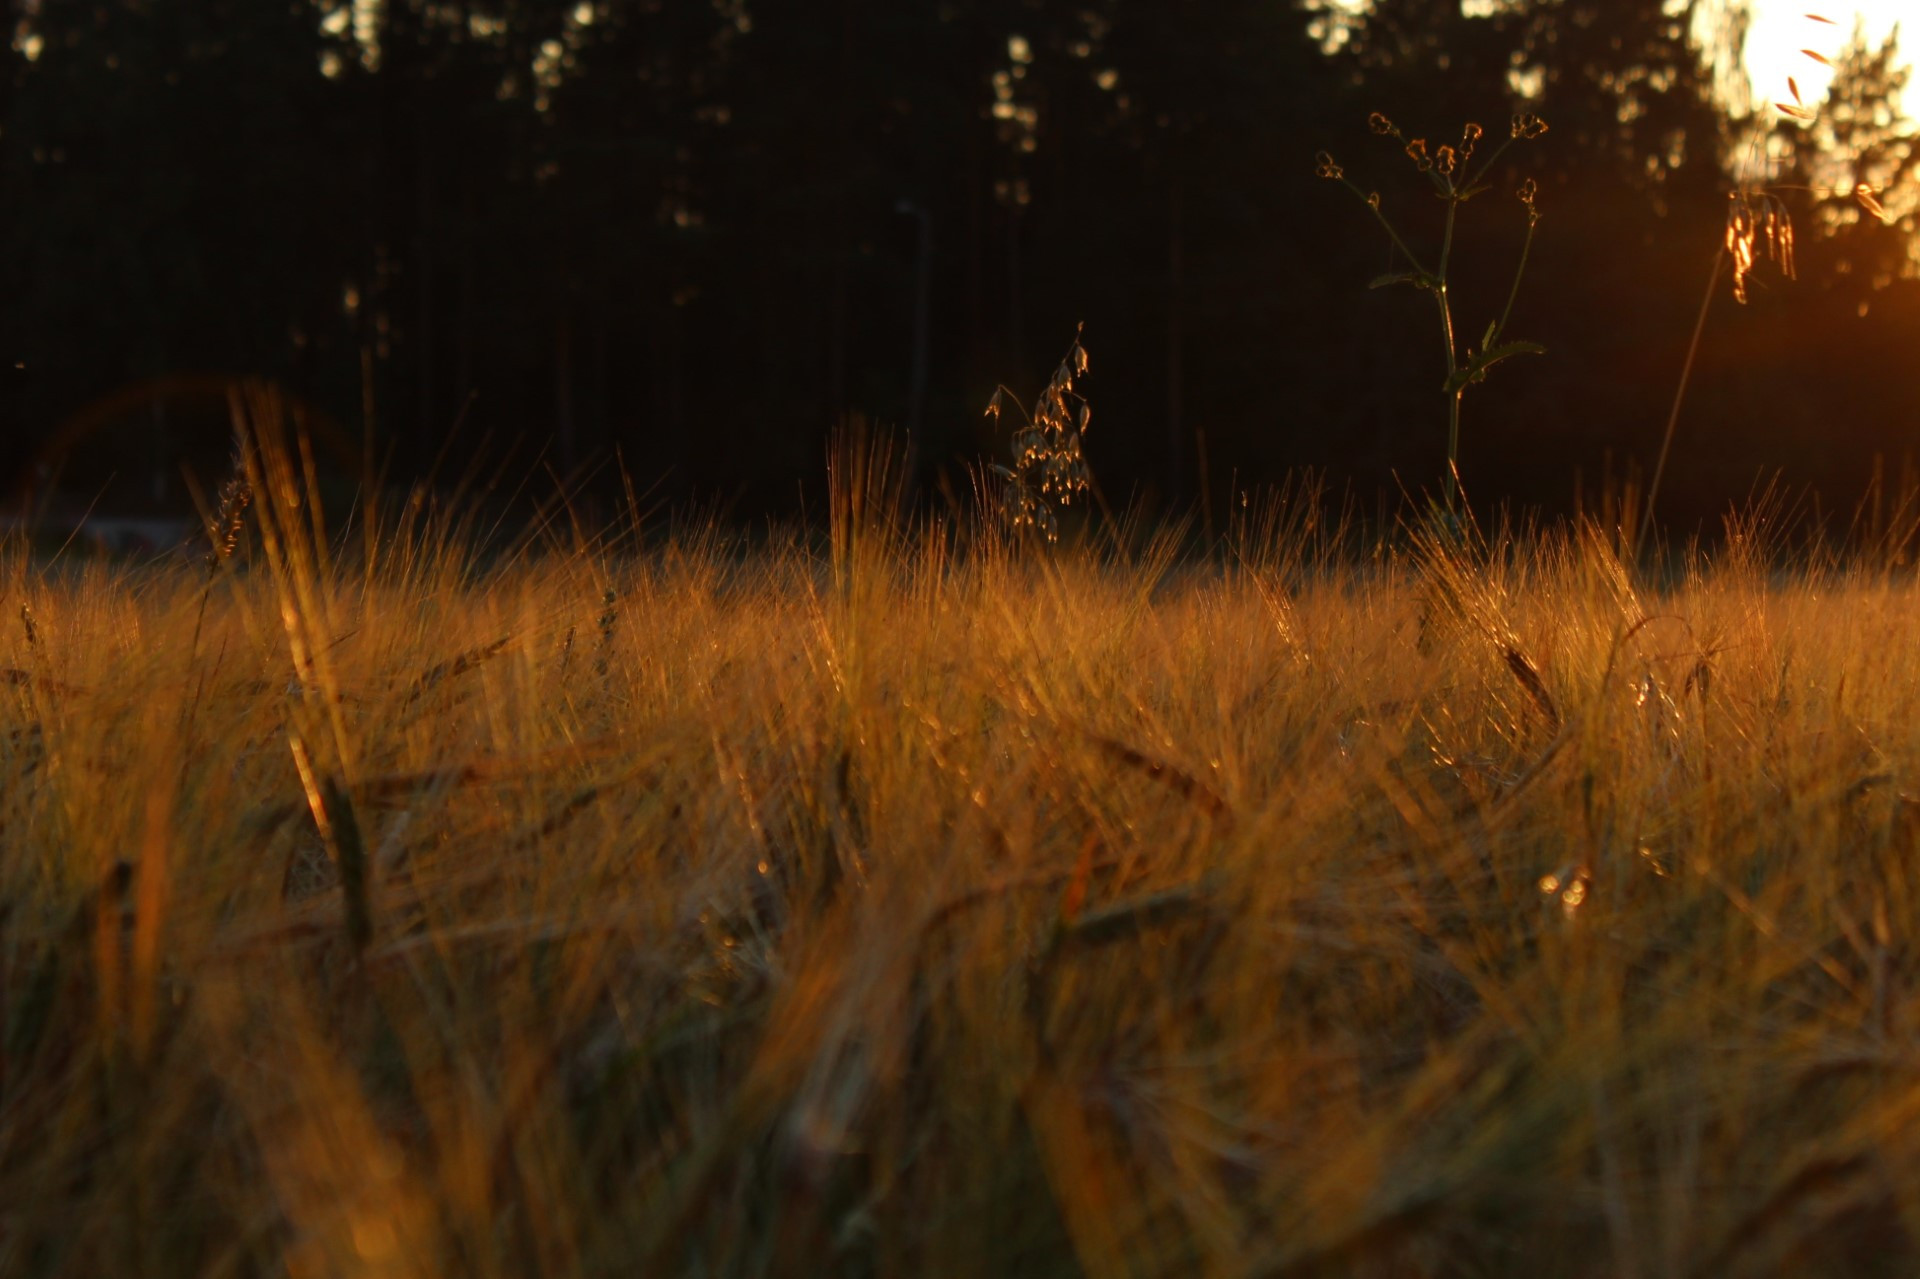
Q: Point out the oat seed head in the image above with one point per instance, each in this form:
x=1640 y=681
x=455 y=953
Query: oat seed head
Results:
x=1049 y=462
x=1758 y=225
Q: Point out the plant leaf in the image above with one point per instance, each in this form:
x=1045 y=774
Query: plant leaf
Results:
x=1415 y=278
x=1507 y=350
x=1475 y=369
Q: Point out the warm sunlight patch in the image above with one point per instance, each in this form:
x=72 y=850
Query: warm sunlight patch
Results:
x=1783 y=33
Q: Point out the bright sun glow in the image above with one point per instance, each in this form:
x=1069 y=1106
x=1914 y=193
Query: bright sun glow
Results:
x=1781 y=30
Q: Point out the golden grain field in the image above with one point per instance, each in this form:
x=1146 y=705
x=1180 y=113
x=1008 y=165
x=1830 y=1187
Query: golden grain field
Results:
x=924 y=903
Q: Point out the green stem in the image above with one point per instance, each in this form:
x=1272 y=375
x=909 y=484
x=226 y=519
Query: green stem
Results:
x=1453 y=449
x=1446 y=331
x=1381 y=218
x=1679 y=396
x=1518 y=273
x=1486 y=165
x=1453 y=357
x=1446 y=239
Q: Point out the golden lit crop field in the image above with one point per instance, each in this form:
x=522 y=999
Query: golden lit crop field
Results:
x=922 y=905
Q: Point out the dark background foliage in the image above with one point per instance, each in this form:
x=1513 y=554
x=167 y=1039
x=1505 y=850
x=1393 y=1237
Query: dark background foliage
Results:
x=692 y=236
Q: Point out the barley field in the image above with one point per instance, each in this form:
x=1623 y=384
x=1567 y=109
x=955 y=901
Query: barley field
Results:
x=928 y=901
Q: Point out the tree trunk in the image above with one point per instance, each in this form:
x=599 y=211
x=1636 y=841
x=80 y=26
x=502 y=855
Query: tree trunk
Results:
x=1176 y=342
x=1016 y=326
x=469 y=288
x=425 y=351
x=563 y=419
x=922 y=336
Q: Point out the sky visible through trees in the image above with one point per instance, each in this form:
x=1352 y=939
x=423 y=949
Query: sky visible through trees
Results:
x=1781 y=30
x=691 y=239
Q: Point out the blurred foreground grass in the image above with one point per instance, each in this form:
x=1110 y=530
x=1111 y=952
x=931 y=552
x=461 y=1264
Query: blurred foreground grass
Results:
x=922 y=907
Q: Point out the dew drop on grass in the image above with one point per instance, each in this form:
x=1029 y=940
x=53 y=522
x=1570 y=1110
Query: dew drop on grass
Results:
x=1571 y=899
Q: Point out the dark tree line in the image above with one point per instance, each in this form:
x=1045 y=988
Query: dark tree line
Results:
x=697 y=234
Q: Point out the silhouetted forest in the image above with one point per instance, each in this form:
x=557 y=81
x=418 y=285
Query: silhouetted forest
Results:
x=688 y=237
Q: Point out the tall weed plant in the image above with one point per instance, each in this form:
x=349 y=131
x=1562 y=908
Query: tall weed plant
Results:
x=1456 y=175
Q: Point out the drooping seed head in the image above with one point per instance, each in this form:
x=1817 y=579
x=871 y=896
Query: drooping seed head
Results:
x=1528 y=126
